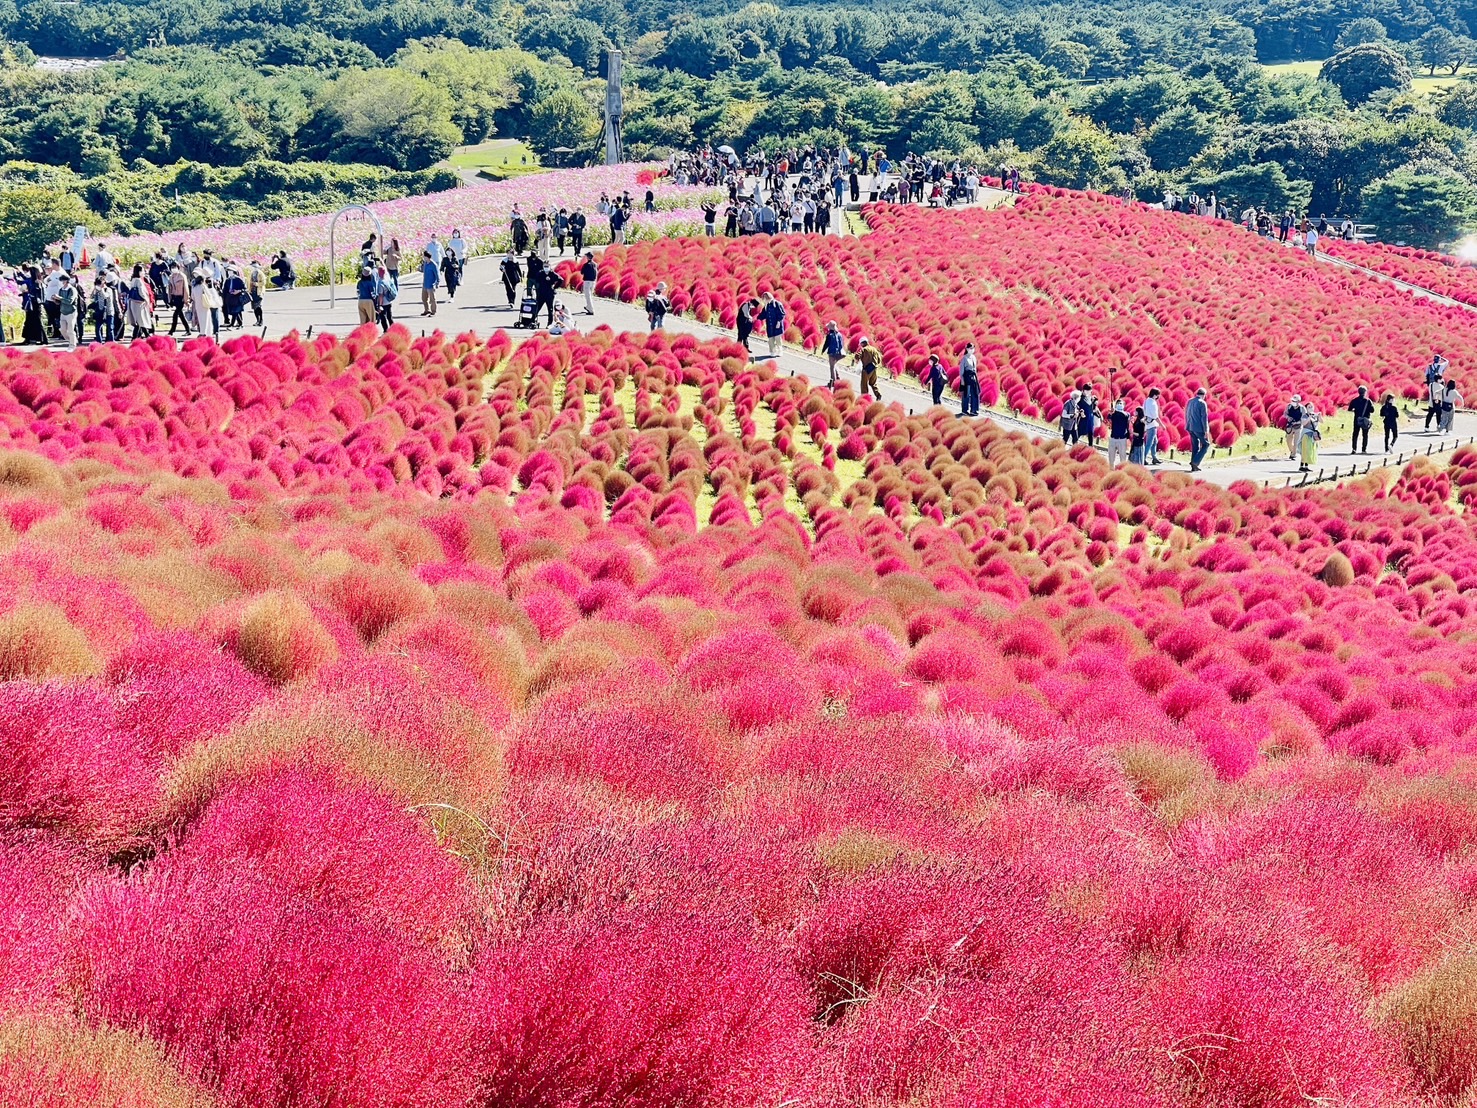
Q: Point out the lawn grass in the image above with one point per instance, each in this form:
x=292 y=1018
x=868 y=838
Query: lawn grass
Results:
x=1422 y=84
x=496 y=158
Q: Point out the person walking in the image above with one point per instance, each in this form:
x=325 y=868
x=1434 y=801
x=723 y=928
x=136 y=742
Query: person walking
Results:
x=1451 y=400
x=1151 y=428
x=617 y=225
x=589 y=272
x=969 y=381
x=1292 y=421
x=210 y=301
x=69 y=306
x=140 y=310
x=578 y=221
x=256 y=285
x=835 y=348
x=33 y=329
x=748 y=312
x=1069 y=417
x=868 y=358
x=512 y=275
x=937 y=379
x=773 y=314
x=367 y=290
x=518 y=228
x=384 y=300
x=546 y=283
x=178 y=286
x=1390 y=417
x=1308 y=438
x=656 y=306
x=1119 y=429
x=451 y=274
x=542 y=236
x=430 y=282
x=1310 y=241
x=1197 y=425
x=1363 y=409
x=392 y=261
x=1137 y=433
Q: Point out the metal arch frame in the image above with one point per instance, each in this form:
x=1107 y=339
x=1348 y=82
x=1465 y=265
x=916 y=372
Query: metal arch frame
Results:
x=379 y=231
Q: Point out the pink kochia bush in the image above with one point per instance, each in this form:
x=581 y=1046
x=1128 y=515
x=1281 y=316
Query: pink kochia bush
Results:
x=564 y=739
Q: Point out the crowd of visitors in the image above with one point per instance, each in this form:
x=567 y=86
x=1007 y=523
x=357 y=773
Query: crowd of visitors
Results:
x=61 y=296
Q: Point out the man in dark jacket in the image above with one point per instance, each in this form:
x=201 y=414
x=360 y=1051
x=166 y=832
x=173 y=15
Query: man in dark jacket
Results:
x=1363 y=408
x=589 y=274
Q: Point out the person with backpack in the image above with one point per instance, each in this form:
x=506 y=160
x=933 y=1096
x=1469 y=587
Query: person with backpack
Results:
x=969 y=382
x=835 y=348
x=69 y=305
x=385 y=297
x=178 y=286
x=1390 y=417
x=773 y=313
x=368 y=292
x=1308 y=438
x=937 y=379
x=589 y=274
x=1451 y=400
x=451 y=274
x=657 y=305
x=868 y=358
x=1292 y=421
x=1362 y=408
x=430 y=282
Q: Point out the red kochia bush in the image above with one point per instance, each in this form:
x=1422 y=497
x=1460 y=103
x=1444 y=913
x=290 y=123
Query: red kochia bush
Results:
x=322 y=1007
x=647 y=1009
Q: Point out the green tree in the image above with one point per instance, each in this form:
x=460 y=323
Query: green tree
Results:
x=1420 y=208
x=563 y=118
x=32 y=217
x=1361 y=71
x=1179 y=137
x=1357 y=32
x=1080 y=157
x=1266 y=186
x=482 y=80
x=1438 y=47
x=385 y=116
x=1457 y=106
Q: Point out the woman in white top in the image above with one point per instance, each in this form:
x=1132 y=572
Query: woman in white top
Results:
x=458 y=245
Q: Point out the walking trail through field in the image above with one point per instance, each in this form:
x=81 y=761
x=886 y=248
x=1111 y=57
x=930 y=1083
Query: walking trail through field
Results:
x=481 y=308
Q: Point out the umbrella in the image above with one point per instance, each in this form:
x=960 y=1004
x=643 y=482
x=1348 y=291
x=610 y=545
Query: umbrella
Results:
x=725 y=150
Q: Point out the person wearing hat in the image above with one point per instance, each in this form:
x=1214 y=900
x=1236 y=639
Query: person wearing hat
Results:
x=589 y=273
x=1197 y=425
x=1292 y=419
x=1363 y=409
x=835 y=348
x=867 y=358
x=368 y=291
x=512 y=274
x=1118 y=429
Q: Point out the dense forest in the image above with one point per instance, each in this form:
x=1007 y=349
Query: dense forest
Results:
x=224 y=110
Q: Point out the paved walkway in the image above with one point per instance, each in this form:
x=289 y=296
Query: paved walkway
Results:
x=481 y=307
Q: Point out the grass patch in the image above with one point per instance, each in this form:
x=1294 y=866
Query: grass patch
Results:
x=498 y=159
x=1422 y=84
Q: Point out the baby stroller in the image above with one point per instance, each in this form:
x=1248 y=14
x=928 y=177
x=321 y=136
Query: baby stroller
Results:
x=527 y=314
